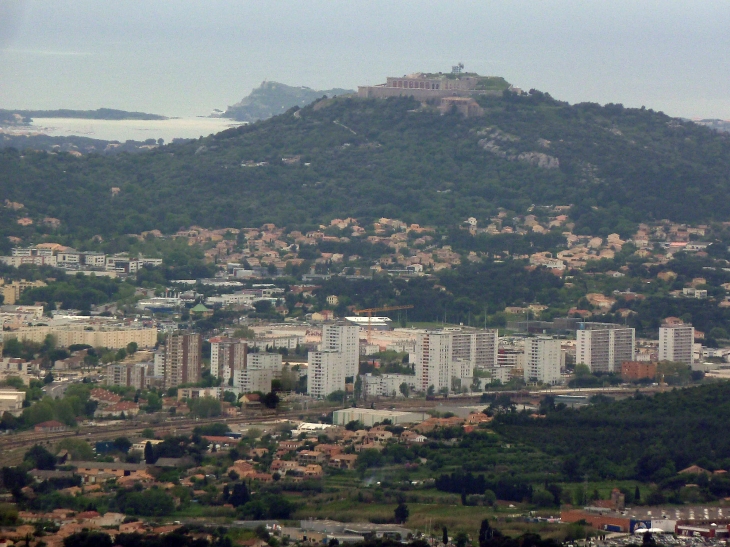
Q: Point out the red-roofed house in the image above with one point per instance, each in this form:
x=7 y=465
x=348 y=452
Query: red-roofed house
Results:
x=51 y=426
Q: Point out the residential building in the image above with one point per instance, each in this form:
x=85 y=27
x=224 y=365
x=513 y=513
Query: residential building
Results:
x=283 y=341
x=604 y=346
x=199 y=392
x=91 y=333
x=478 y=346
x=11 y=292
x=159 y=362
x=127 y=375
x=675 y=343
x=11 y=400
x=249 y=380
x=182 y=359
x=325 y=373
x=637 y=370
x=226 y=356
x=543 y=360
x=386 y=385
x=443 y=355
x=343 y=339
x=265 y=361
x=433 y=361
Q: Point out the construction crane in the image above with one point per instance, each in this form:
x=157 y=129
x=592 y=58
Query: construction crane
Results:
x=370 y=312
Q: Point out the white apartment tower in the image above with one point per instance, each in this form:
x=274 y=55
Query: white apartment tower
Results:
x=603 y=346
x=345 y=340
x=480 y=347
x=226 y=356
x=249 y=380
x=265 y=361
x=325 y=373
x=441 y=355
x=543 y=359
x=433 y=360
x=676 y=343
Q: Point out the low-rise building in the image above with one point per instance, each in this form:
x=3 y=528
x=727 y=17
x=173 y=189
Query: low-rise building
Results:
x=637 y=370
x=11 y=400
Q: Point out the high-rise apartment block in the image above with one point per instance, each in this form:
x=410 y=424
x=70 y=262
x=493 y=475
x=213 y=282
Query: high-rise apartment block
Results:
x=126 y=375
x=676 y=343
x=226 y=356
x=325 y=373
x=345 y=340
x=265 y=361
x=543 y=360
x=604 y=346
x=338 y=358
x=182 y=359
x=249 y=380
x=447 y=354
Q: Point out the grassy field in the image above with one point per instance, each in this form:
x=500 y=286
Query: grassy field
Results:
x=425 y=517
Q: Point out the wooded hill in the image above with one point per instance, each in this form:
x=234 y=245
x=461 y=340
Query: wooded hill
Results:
x=393 y=158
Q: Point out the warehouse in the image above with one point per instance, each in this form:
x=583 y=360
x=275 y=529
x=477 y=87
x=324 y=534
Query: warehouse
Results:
x=369 y=417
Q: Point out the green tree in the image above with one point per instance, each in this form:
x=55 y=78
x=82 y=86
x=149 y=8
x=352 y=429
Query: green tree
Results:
x=77 y=448
x=123 y=444
x=461 y=539
x=132 y=348
x=150 y=503
x=205 y=407
x=149 y=453
x=405 y=389
x=357 y=388
x=40 y=458
x=401 y=513
x=270 y=400
x=240 y=495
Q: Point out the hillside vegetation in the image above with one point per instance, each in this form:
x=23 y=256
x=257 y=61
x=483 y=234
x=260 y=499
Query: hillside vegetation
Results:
x=394 y=158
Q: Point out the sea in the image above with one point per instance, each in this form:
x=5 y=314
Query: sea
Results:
x=124 y=130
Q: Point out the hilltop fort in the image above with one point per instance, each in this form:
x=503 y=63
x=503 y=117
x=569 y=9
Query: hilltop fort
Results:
x=424 y=86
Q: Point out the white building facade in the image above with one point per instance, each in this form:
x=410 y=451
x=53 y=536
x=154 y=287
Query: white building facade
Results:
x=325 y=373
x=343 y=339
x=543 y=360
x=604 y=347
x=250 y=380
x=676 y=343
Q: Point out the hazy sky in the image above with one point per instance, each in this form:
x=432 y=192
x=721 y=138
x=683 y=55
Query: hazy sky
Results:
x=184 y=57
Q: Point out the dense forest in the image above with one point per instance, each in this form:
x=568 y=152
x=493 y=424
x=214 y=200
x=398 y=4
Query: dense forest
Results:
x=393 y=158
x=649 y=439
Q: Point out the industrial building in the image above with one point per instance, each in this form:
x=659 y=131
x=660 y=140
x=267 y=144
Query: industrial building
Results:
x=369 y=417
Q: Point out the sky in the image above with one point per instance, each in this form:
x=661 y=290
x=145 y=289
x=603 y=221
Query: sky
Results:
x=188 y=57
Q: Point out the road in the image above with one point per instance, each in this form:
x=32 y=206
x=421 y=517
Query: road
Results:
x=56 y=389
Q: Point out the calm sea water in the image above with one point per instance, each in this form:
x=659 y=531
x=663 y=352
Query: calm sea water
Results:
x=137 y=130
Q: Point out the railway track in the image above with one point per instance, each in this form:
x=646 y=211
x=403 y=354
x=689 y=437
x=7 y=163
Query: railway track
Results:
x=13 y=447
